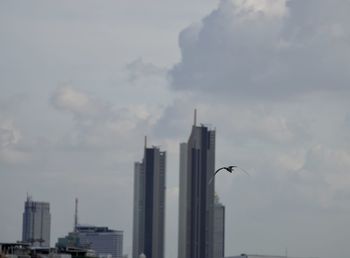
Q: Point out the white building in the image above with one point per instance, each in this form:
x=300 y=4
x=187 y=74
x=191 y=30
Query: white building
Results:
x=105 y=242
x=36 y=223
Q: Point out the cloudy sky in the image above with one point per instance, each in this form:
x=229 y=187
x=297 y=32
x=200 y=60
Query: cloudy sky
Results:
x=82 y=82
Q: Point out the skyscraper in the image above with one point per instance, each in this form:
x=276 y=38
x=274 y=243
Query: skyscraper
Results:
x=149 y=204
x=219 y=229
x=196 y=199
x=36 y=223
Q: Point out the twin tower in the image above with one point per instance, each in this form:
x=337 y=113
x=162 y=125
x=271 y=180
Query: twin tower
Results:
x=200 y=216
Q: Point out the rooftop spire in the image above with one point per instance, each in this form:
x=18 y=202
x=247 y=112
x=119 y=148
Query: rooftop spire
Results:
x=76 y=215
x=145 y=142
x=195 y=117
x=29 y=197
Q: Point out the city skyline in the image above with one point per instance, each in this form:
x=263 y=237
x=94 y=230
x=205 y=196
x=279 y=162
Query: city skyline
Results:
x=82 y=82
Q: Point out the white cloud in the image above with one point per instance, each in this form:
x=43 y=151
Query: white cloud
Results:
x=98 y=124
x=10 y=140
x=273 y=8
x=9 y=134
x=77 y=102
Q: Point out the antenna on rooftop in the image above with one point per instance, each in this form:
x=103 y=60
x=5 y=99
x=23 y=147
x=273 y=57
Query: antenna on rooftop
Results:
x=145 y=142
x=29 y=197
x=195 y=117
x=76 y=215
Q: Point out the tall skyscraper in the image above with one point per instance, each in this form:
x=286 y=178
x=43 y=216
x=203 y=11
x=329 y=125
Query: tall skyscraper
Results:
x=149 y=204
x=196 y=199
x=36 y=223
x=219 y=229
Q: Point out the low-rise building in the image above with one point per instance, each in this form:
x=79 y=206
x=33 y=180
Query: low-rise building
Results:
x=106 y=243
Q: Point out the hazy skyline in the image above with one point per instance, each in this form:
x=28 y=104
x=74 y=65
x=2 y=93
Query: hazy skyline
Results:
x=82 y=83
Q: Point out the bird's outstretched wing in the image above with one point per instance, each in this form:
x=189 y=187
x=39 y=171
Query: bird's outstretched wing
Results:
x=219 y=170
x=243 y=170
x=229 y=169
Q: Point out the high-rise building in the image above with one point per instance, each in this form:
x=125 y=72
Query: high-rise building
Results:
x=196 y=199
x=149 y=204
x=36 y=223
x=219 y=229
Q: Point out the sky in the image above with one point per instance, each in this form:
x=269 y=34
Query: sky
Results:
x=82 y=83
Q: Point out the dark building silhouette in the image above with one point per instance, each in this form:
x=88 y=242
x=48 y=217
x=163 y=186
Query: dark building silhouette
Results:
x=149 y=204
x=196 y=204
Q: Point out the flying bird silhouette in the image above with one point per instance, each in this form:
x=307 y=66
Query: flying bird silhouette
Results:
x=229 y=169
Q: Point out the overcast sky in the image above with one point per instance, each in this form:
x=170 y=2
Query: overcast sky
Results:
x=82 y=82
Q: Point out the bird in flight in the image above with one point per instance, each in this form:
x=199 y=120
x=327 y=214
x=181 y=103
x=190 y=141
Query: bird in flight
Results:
x=229 y=169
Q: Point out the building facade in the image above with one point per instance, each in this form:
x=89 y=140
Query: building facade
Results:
x=196 y=199
x=36 y=223
x=104 y=241
x=219 y=229
x=149 y=204
x=182 y=236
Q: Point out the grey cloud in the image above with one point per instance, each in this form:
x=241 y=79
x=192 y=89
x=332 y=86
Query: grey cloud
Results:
x=175 y=121
x=321 y=182
x=10 y=141
x=9 y=135
x=323 y=158
x=244 y=124
x=138 y=69
x=98 y=124
x=276 y=202
x=248 y=52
